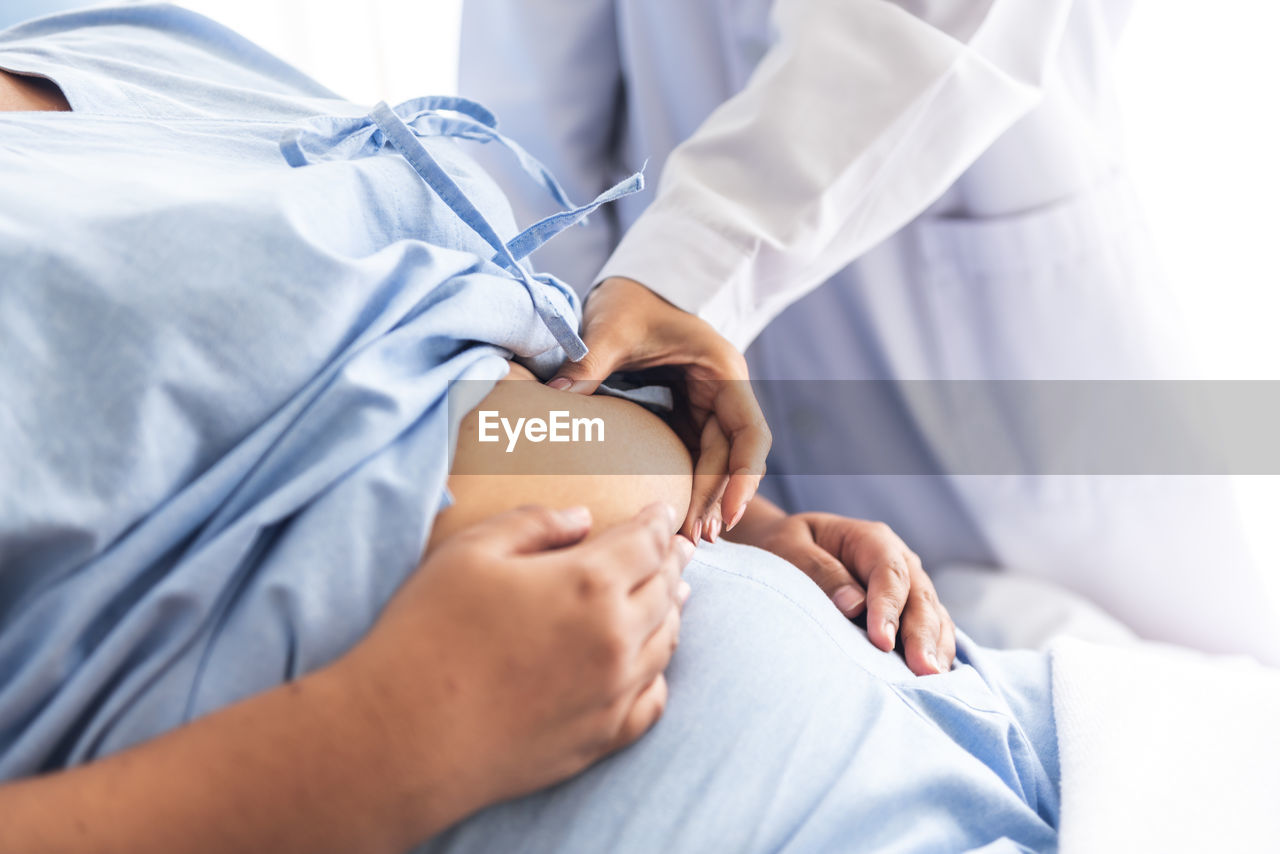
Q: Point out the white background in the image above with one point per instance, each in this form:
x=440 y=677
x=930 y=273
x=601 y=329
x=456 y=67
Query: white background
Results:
x=1201 y=89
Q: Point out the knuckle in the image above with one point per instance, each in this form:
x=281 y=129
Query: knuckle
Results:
x=923 y=632
x=796 y=526
x=659 y=700
x=589 y=583
x=659 y=537
x=614 y=652
x=671 y=583
x=468 y=539
x=542 y=516
x=673 y=628
x=727 y=358
x=609 y=729
x=828 y=576
x=766 y=433
x=659 y=709
x=897 y=572
x=880 y=530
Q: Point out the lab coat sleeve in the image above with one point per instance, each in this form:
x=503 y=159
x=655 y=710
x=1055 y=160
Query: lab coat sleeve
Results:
x=861 y=114
x=551 y=69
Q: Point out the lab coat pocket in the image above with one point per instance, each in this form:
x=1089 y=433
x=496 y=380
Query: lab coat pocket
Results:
x=1072 y=292
x=1068 y=291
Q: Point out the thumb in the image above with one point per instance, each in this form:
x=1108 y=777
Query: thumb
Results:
x=835 y=580
x=585 y=375
x=531 y=529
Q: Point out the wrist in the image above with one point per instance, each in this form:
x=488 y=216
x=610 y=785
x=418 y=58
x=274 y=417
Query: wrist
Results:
x=759 y=519
x=636 y=295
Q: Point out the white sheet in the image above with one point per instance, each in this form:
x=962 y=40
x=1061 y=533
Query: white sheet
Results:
x=1006 y=610
x=1166 y=750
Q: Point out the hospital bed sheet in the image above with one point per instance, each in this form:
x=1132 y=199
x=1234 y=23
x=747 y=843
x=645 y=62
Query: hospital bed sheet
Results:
x=1163 y=749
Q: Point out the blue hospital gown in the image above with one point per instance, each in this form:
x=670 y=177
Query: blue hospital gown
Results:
x=231 y=305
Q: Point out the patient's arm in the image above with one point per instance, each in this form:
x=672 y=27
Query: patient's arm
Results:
x=640 y=461
x=515 y=656
x=327 y=764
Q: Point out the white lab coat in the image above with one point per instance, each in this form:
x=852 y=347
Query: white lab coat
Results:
x=953 y=172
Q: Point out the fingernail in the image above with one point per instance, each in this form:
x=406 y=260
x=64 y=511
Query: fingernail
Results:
x=684 y=550
x=682 y=592
x=713 y=530
x=891 y=631
x=847 y=599
x=697 y=531
x=737 y=517
x=579 y=517
x=932 y=661
x=560 y=383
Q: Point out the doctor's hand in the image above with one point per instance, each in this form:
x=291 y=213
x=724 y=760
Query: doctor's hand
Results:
x=628 y=327
x=861 y=566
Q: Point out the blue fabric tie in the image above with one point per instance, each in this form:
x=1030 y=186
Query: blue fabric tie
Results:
x=335 y=138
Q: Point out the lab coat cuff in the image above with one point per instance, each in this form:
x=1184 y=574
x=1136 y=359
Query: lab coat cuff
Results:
x=686 y=262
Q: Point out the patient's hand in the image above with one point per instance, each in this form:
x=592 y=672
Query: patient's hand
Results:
x=518 y=655
x=855 y=561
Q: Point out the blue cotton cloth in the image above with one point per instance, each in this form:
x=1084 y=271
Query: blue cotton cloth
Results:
x=230 y=310
x=17 y=11
x=786 y=730
x=231 y=305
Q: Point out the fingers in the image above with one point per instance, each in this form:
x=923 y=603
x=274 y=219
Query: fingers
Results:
x=749 y=441
x=626 y=325
x=653 y=598
x=887 y=589
x=652 y=661
x=900 y=598
x=704 y=520
x=875 y=554
x=584 y=376
x=947 y=643
x=834 y=579
x=530 y=529
x=648 y=707
x=615 y=331
x=929 y=635
x=922 y=632
x=656 y=653
x=634 y=550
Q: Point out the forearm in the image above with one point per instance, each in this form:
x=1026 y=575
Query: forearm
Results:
x=306 y=767
x=858 y=118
